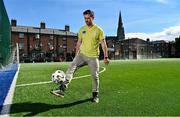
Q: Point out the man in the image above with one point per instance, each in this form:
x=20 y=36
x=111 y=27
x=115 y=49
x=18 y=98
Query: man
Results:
x=87 y=53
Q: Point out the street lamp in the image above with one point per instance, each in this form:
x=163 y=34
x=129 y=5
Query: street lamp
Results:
x=128 y=48
x=66 y=46
x=114 y=49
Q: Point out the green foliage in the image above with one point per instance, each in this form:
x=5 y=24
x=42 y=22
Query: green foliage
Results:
x=177 y=44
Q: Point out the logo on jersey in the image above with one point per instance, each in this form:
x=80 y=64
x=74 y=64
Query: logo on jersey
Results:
x=84 y=32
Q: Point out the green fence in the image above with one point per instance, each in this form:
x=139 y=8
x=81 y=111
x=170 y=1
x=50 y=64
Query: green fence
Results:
x=5 y=36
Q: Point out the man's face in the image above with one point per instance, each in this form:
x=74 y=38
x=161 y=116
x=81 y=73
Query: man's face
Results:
x=88 y=19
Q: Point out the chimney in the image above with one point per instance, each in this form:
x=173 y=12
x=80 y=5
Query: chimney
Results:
x=13 y=22
x=42 y=25
x=67 y=28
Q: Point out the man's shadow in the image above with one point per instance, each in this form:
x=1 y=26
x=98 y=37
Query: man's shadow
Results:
x=36 y=108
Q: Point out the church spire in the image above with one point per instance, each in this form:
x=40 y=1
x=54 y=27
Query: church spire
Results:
x=120 y=31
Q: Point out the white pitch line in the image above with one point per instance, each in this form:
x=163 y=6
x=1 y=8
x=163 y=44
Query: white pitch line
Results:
x=46 y=82
x=21 y=85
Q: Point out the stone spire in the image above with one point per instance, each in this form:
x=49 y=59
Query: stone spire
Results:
x=120 y=30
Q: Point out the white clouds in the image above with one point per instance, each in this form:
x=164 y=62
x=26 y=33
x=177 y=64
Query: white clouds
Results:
x=167 y=34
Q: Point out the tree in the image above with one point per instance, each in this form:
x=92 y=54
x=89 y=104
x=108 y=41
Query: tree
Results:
x=177 y=46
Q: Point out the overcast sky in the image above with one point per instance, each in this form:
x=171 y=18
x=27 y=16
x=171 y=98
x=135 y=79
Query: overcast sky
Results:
x=154 y=19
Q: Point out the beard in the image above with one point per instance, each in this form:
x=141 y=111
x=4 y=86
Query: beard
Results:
x=88 y=23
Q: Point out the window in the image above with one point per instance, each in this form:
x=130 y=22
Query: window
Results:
x=21 y=35
x=64 y=46
x=51 y=47
x=64 y=38
x=51 y=37
x=158 y=49
x=36 y=46
x=21 y=40
x=33 y=55
x=37 y=36
x=21 y=46
x=64 y=49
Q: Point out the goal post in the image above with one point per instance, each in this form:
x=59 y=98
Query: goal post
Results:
x=17 y=53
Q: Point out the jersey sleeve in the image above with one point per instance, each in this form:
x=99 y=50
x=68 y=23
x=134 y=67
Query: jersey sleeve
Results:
x=80 y=35
x=101 y=35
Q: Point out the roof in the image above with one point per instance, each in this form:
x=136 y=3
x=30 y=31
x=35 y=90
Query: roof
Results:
x=135 y=39
x=28 y=29
x=111 y=37
x=159 y=41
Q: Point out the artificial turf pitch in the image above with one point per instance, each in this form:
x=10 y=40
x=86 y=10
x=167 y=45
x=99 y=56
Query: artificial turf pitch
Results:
x=127 y=88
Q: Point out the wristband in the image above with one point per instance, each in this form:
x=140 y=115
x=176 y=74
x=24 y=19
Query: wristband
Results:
x=105 y=57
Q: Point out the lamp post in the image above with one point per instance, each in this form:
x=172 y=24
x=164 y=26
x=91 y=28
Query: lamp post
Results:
x=147 y=50
x=122 y=50
x=66 y=47
x=128 y=48
x=114 y=49
x=53 y=46
x=28 y=43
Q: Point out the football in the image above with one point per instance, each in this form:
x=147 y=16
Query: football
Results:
x=58 y=76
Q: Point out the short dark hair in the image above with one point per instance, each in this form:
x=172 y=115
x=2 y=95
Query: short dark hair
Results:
x=90 y=12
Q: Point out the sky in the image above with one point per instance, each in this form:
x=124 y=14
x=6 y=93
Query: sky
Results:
x=154 y=19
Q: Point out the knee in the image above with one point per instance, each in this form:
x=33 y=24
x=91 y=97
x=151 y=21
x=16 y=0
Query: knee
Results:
x=95 y=76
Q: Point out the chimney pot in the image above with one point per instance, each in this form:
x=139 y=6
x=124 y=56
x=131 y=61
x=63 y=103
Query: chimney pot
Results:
x=67 y=28
x=43 y=25
x=13 y=22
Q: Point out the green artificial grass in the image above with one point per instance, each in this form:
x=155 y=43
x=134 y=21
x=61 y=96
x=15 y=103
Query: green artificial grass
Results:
x=127 y=88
